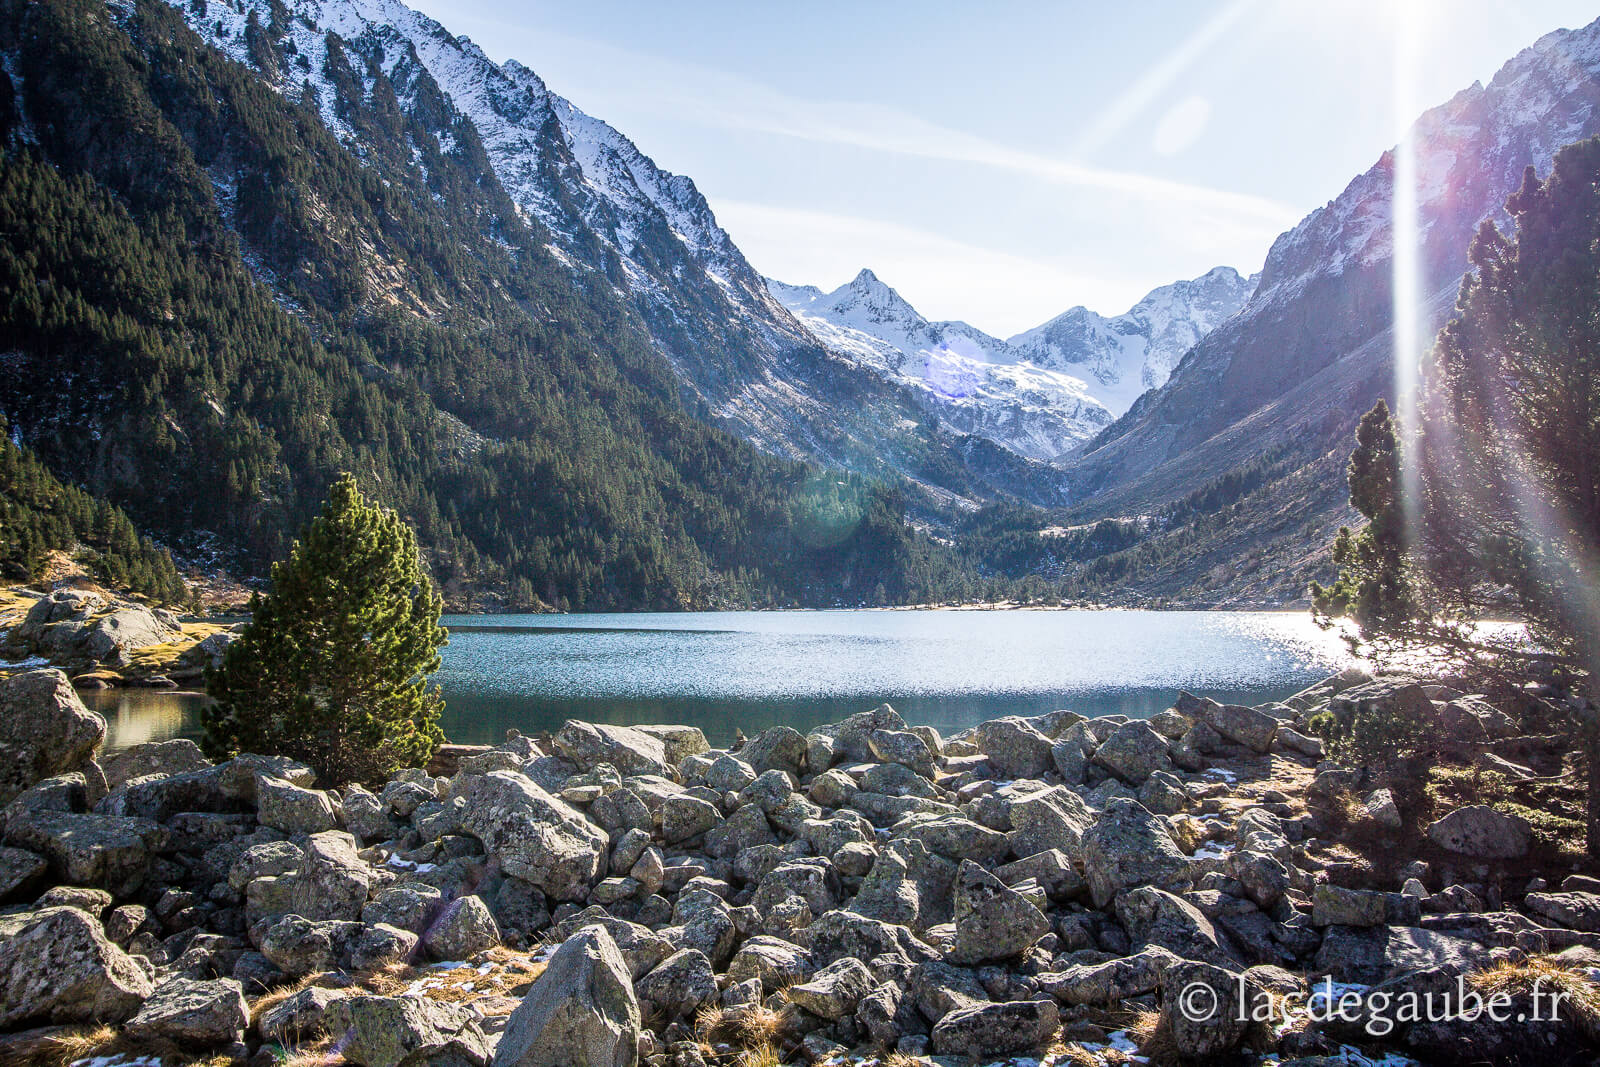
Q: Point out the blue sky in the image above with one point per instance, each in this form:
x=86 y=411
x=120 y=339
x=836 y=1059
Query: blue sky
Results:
x=1001 y=162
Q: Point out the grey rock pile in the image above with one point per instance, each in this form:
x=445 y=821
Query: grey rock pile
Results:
x=869 y=885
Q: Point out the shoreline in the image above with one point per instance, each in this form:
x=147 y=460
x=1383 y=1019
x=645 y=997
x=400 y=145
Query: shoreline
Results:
x=1036 y=886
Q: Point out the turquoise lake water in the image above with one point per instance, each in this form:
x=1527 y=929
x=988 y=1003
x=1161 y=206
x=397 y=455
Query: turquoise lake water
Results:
x=723 y=671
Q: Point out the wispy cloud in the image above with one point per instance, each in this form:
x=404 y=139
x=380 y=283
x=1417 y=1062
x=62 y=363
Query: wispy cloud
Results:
x=717 y=99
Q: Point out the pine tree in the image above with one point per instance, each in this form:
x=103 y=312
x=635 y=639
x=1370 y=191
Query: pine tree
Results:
x=1372 y=587
x=333 y=668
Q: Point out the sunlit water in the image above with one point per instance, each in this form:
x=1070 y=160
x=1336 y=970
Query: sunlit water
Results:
x=751 y=670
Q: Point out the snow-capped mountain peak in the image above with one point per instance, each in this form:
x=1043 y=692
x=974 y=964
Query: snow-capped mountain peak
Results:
x=1042 y=392
x=1125 y=356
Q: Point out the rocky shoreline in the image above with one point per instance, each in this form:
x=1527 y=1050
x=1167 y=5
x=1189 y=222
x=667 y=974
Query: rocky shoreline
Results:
x=103 y=641
x=1050 y=888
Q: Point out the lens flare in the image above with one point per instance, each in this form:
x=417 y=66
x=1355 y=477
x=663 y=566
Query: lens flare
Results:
x=1406 y=234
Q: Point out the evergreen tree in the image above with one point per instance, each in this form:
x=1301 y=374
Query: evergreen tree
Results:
x=333 y=668
x=1508 y=463
x=1372 y=587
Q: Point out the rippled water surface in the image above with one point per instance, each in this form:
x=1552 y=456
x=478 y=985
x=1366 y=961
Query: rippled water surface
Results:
x=752 y=670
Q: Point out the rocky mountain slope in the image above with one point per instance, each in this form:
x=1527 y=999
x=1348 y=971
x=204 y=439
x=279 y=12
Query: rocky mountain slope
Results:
x=617 y=220
x=1040 y=393
x=228 y=276
x=966 y=378
x=1290 y=374
x=1313 y=339
x=1123 y=357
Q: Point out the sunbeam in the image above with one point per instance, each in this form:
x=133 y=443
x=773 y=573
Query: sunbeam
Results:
x=1407 y=285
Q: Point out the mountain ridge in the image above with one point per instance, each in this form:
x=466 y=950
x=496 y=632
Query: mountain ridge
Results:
x=1043 y=391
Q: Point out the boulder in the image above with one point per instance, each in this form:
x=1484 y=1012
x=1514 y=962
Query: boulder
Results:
x=153 y=757
x=1201 y=1010
x=299 y=946
x=629 y=750
x=988 y=1030
x=781 y=748
x=581 y=1012
x=85 y=629
x=1156 y=917
x=299 y=1017
x=535 y=836
x=847 y=741
x=1374 y=954
x=685 y=816
x=1334 y=906
x=413 y=1031
x=1572 y=909
x=331 y=881
x=679 y=985
x=902 y=747
x=463 y=929
x=641 y=947
x=842 y=933
x=22 y=873
x=57 y=966
x=292 y=810
x=1128 y=846
x=109 y=851
x=1108 y=984
x=190 y=1013
x=1133 y=752
x=1479 y=831
x=834 y=991
x=1015 y=747
x=1235 y=722
x=777 y=962
x=1053 y=818
x=993 y=921
x=44 y=730
x=680 y=742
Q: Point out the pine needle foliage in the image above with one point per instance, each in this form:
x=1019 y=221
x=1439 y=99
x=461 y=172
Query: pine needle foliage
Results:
x=333 y=669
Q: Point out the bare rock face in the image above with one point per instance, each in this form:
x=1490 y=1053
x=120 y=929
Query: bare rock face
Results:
x=44 y=730
x=580 y=1013
x=57 y=966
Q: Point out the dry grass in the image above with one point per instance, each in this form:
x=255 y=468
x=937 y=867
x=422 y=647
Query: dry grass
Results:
x=61 y=1049
x=273 y=997
x=1580 y=1001
x=1078 y=1056
x=318 y=1053
x=760 y=1056
x=1153 y=1038
x=508 y=974
x=388 y=980
x=748 y=1035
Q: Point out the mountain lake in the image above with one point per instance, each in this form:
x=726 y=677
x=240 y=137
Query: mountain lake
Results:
x=749 y=670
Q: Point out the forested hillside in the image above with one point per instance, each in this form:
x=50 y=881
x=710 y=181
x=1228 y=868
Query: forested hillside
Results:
x=209 y=307
x=39 y=515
